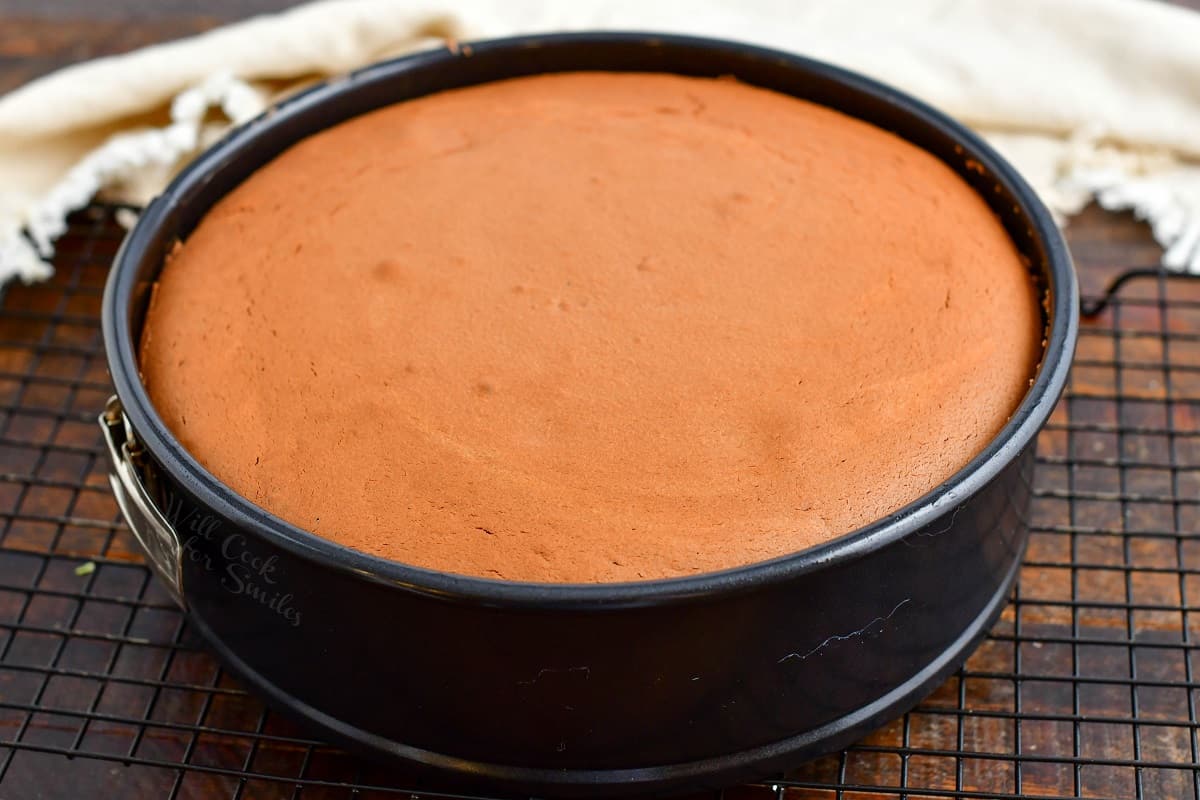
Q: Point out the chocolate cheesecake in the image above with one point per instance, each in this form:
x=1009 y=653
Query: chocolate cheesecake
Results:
x=592 y=327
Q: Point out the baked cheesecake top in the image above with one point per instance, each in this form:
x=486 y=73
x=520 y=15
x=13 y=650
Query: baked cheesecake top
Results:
x=592 y=327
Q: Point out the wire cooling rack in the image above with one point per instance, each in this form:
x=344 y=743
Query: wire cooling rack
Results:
x=1086 y=686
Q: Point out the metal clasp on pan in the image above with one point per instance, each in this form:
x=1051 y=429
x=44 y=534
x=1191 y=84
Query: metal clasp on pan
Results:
x=153 y=532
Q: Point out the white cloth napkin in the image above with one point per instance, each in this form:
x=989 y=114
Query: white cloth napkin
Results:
x=1091 y=99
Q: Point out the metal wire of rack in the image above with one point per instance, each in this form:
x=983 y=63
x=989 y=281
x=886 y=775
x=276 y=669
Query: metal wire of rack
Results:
x=1086 y=687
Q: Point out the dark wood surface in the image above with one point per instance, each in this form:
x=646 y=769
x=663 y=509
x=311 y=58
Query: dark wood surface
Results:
x=30 y=47
x=1103 y=245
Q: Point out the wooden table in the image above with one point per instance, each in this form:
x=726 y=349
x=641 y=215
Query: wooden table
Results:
x=1086 y=685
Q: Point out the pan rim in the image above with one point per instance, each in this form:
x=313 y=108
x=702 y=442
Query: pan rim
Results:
x=1019 y=433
